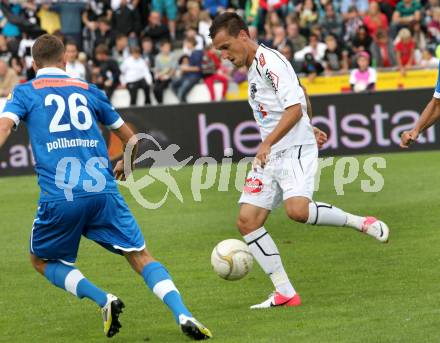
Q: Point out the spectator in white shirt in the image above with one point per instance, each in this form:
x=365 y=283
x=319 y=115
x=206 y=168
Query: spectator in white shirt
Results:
x=136 y=75
x=315 y=47
x=74 y=67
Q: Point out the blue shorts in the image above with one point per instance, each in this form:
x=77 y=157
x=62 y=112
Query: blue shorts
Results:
x=166 y=6
x=104 y=218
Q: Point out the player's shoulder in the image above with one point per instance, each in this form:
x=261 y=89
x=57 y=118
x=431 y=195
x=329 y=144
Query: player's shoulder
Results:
x=270 y=58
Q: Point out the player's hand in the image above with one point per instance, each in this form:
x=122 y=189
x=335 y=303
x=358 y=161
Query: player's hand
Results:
x=321 y=137
x=262 y=154
x=119 y=171
x=408 y=137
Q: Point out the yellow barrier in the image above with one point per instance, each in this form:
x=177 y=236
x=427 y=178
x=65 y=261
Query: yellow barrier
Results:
x=389 y=80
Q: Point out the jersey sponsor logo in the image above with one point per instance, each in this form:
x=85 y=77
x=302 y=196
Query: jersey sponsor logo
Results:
x=57 y=82
x=253 y=185
x=273 y=78
x=262 y=60
x=261 y=112
x=253 y=90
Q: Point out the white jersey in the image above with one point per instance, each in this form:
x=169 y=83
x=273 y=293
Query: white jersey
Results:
x=273 y=87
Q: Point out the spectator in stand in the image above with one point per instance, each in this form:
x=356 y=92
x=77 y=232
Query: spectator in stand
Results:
x=200 y=43
x=335 y=58
x=287 y=52
x=155 y=29
x=49 y=20
x=74 y=67
x=331 y=23
x=95 y=9
x=16 y=64
x=272 y=21
x=30 y=9
x=24 y=52
x=427 y=11
x=5 y=51
x=8 y=79
x=191 y=73
x=405 y=49
x=311 y=67
x=106 y=73
x=192 y=17
x=375 y=20
x=363 y=78
x=315 y=48
x=308 y=14
x=215 y=7
x=382 y=51
x=279 y=37
x=251 y=12
x=169 y=8
x=10 y=30
x=212 y=72
x=104 y=35
x=352 y=24
x=148 y=52
x=360 y=5
x=136 y=75
x=406 y=14
x=204 y=25
x=428 y=60
x=419 y=38
x=295 y=39
x=164 y=70
x=270 y=7
x=434 y=26
x=362 y=40
x=70 y=16
x=121 y=51
x=126 y=20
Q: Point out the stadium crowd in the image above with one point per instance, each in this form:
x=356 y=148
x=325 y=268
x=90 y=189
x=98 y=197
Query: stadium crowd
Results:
x=152 y=45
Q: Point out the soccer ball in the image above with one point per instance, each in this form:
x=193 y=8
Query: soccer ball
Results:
x=231 y=259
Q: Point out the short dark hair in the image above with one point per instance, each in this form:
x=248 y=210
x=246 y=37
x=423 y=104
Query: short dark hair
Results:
x=71 y=42
x=101 y=49
x=229 y=21
x=47 y=50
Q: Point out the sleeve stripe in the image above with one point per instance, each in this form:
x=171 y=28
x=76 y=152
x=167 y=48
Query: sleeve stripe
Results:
x=11 y=116
x=116 y=125
x=437 y=95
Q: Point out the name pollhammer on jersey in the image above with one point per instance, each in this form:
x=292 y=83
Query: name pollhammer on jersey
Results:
x=63 y=143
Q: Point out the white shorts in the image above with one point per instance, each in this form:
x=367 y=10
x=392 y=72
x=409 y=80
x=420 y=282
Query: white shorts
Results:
x=288 y=173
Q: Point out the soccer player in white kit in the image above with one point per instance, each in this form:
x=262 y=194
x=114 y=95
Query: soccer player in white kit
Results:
x=287 y=159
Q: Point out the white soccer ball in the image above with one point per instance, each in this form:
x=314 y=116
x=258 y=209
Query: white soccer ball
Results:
x=232 y=259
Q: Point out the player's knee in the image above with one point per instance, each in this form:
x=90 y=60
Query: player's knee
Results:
x=299 y=215
x=139 y=259
x=246 y=224
x=38 y=264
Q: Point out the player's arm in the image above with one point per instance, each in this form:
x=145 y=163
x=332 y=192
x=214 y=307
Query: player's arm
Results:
x=128 y=138
x=429 y=116
x=6 y=126
x=321 y=136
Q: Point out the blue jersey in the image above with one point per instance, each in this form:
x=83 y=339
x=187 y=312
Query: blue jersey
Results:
x=62 y=116
x=437 y=87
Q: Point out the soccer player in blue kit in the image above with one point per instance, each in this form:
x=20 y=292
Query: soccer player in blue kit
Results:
x=79 y=195
x=429 y=116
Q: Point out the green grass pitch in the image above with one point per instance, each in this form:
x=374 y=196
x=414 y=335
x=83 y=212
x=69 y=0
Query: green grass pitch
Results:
x=353 y=288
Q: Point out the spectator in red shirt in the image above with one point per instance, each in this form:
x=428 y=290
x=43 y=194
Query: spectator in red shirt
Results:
x=405 y=50
x=382 y=50
x=211 y=69
x=375 y=20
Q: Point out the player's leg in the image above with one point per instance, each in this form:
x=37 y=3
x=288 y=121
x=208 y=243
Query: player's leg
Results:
x=250 y=223
x=159 y=280
x=54 y=245
x=114 y=227
x=297 y=182
x=303 y=210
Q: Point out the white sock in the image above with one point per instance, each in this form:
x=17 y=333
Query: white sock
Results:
x=321 y=213
x=265 y=251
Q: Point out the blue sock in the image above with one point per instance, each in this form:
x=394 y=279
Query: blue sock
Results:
x=159 y=281
x=71 y=280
